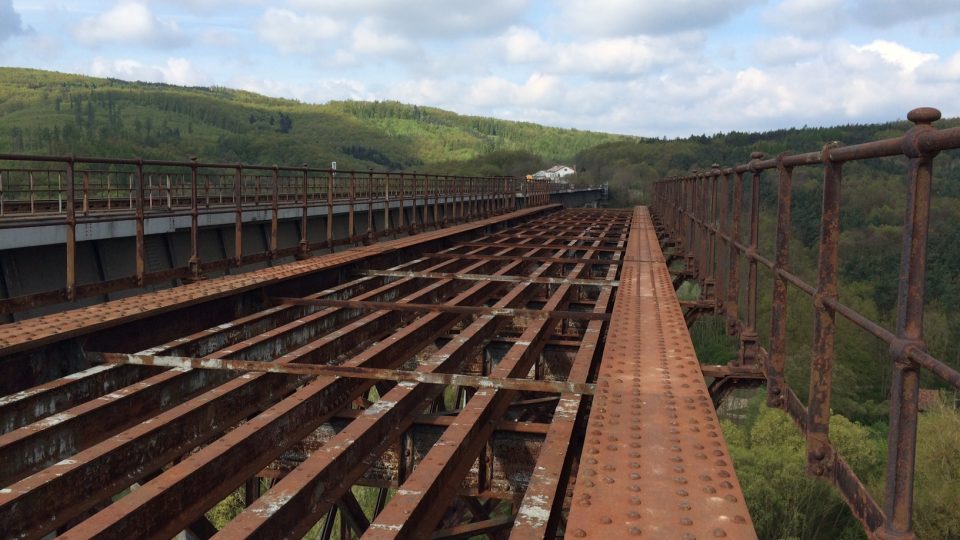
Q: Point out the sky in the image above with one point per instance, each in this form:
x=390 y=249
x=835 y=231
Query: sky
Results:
x=642 y=67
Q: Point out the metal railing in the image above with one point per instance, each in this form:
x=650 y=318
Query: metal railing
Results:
x=71 y=191
x=702 y=218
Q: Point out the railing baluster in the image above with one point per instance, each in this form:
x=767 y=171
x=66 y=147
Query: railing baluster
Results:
x=819 y=451
x=905 y=386
x=778 y=316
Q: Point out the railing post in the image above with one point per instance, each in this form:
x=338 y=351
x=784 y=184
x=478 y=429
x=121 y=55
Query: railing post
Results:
x=71 y=234
x=400 y=213
x=140 y=247
x=330 y=187
x=710 y=282
x=778 y=315
x=426 y=202
x=353 y=199
x=733 y=277
x=749 y=340
x=386 y=206
x=905 y=387
x=275 y=210
x=238 y=222
x=723 y=273
x=413 y=205
x=819 y=451
x=371 y=236
x=194 y=265
x=436 y=202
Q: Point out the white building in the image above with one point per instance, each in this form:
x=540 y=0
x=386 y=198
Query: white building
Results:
x=555 y=173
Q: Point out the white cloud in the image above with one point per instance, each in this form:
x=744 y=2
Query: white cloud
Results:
x=811 y=17
x=175 y=71
x=130 y=22
x=894 y=53
x=370 y=39
x=294 y=33
x=319 y=91
x=425 y=19
x=522 y=45
x=10 y=23
x=885 y=13
x=786 y=50
x=623 y=57
x=631 y=17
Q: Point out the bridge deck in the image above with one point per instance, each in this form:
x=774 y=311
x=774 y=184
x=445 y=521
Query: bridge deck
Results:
x=655 y=461
x=459 y=399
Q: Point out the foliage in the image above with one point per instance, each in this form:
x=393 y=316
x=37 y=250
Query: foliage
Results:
x=44 y=112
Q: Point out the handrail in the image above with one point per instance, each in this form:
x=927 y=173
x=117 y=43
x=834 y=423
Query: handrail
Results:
x=71 y=190
x=702 y=218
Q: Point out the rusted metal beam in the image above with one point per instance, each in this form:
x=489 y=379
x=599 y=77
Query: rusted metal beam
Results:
x=468 y=310
x=482 y=277
x=315 y=370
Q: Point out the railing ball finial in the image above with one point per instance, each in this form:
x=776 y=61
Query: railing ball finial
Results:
x=923 y=115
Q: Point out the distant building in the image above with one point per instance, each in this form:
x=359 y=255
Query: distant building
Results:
x=555 y=173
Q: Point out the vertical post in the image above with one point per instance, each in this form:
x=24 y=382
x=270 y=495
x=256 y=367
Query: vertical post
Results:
x=819 y=454
x=371 y=237
x=436 y=202
x=445 y=182
x=275 y=211
x=749 y=341
x=723 y=274
x=353 y=199
x=413 y=206
x=238 y=222
x=138 y=195
x=71 y=234
x=778 y=316
x=196 y=272
x=733 y=278
x=386 y=205
x=86 y=192
x=426 y=201
x=905 y=387
x=330 y=186
x=709 y=282
x=401 y=210
x=303 y=248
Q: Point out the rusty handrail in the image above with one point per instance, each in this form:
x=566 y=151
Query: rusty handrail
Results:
x=701 y=217
x=99 y=189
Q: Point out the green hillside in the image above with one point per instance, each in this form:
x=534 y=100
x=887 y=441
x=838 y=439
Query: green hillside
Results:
x=53 y=113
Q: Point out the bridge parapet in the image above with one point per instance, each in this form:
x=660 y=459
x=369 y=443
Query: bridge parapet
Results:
x=67 y=200
x=700 y=216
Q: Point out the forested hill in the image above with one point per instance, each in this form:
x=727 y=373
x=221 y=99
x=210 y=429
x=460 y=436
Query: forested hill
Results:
x=53 y=113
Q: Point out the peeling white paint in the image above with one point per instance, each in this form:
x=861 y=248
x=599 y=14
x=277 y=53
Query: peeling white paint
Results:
x=53 y=420
x=379 y=407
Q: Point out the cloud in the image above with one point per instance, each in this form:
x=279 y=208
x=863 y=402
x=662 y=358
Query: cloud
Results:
x=886 y=13
x=786 y=50
x=175 y=71
x=319 y=91
x=291 y=32
x=896 y=54
x=130 y=22
x=10 y=23
x=625 y=56
x=809 y=17
x=369 y=38
x=425 y=19
x=632 y=17
x=522 y=45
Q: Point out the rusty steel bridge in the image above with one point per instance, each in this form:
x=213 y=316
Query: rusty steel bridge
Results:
x=476 y=360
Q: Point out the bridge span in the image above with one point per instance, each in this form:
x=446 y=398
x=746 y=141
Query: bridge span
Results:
x=526 y=375
x=482 y=365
